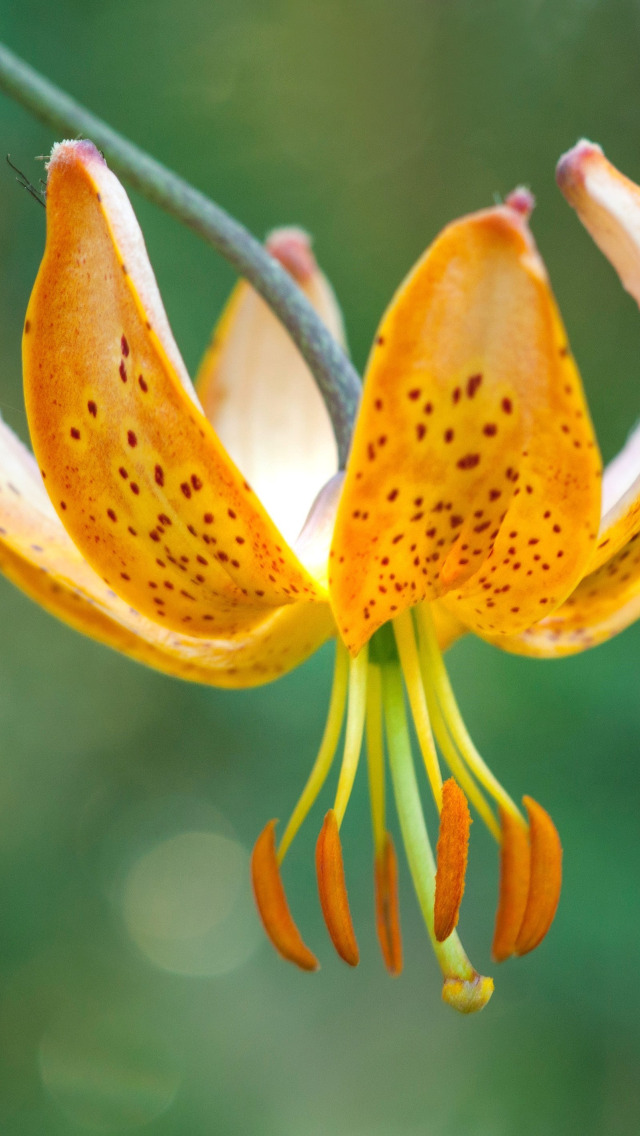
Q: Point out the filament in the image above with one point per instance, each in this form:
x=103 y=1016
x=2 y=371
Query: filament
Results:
x=327 y=750
x=437 y=678
x=375 y=756
x=356 y=711
x=460 y=771
x=410 y=663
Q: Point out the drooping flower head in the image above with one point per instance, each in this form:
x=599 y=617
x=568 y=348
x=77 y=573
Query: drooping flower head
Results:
x=471 y=501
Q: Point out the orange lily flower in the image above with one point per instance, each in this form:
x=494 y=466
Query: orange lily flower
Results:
x=471 y=501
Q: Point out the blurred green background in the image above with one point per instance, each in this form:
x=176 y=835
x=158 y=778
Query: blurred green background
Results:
x=127 y=797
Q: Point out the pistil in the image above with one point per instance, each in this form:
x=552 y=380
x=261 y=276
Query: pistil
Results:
x=464 y=988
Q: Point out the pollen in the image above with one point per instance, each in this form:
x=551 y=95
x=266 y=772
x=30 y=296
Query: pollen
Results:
x=452 y=852
x=387 y=910
x=272 y=905
x=514 y=885
x=332 y=889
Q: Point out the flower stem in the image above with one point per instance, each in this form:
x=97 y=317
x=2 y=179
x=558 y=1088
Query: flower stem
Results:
x=337 y=379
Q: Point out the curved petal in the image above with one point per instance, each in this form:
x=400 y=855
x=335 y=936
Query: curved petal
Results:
x=608 y=204
x=474 y=472
x=260 y=396
x=604 y=603
x=38 y=556
x=134 y=469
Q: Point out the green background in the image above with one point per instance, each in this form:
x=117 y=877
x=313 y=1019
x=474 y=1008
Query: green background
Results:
x=372 y=124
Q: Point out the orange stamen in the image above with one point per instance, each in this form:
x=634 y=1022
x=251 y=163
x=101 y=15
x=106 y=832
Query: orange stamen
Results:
x=333 y=891
x=387 y=911
x=452 y=851
x=272 y=905
x=545 y=879
x=514 y=885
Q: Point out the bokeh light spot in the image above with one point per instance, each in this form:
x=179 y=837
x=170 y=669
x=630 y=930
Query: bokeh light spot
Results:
x=187 y=904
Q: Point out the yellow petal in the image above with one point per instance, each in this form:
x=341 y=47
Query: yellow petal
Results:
x=133 y=467
x=474 y=474
x=260 y=396
x=604 y=603
x=620 y=519
x=38 y=556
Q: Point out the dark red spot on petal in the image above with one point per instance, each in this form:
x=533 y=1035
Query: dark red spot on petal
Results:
x=469 y=461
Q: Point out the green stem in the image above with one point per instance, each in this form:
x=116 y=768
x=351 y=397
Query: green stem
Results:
x=337 y=379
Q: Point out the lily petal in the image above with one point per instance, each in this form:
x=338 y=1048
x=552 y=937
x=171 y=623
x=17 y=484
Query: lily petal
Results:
x=38 y=556
x=260 y=396
x=608 y=599
x=474 y=473
x=608 y=204
x=604 y=603
x=134 y=469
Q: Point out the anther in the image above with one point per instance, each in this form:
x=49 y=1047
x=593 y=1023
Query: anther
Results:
x=272 y=905
x=452 y=852
x=514 y=885
x=387 y=910
x=333 y=891
x=545 y=878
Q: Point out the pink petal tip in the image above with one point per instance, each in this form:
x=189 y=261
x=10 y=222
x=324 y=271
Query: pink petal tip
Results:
x=570 y=170
x=522 y=201
x=292 y=248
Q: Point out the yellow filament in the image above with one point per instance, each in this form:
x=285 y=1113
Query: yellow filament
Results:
x=436 y=678
x=410 y=663
x=356 y=710
x=375 y=756
x=460 y=771
x=327 y=750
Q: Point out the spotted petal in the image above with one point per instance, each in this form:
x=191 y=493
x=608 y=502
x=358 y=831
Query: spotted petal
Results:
x=133 y=467
x=260 y=396
x=38 y=556
x=474 y=473
x=604 y=603
x=607 y=600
